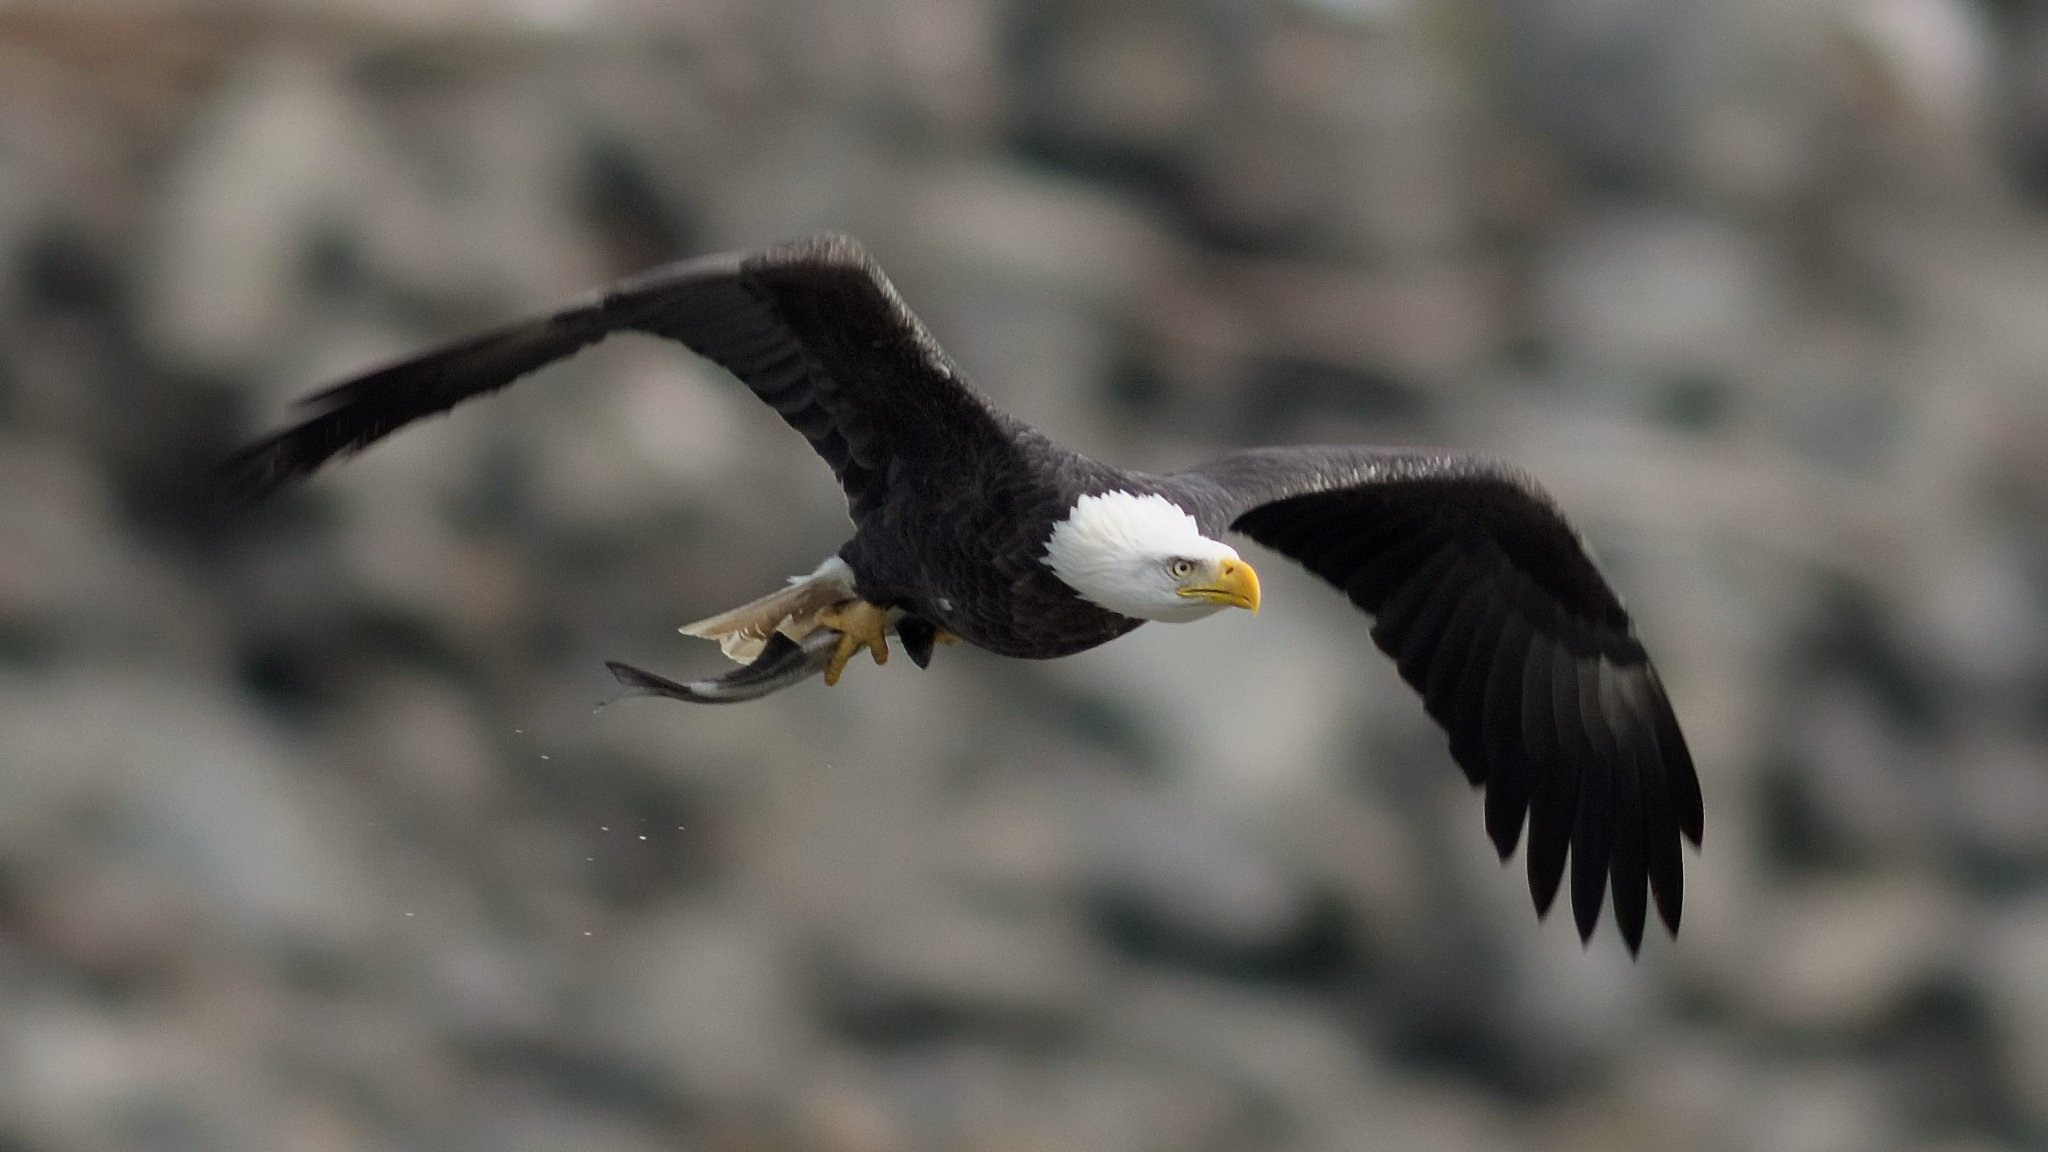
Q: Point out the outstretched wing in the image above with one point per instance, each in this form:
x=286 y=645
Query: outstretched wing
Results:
x=1485 y=597
x=813 y=328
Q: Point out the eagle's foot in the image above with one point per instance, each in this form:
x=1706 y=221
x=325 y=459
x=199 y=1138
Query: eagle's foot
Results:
x=944 y=637
x=860 y=625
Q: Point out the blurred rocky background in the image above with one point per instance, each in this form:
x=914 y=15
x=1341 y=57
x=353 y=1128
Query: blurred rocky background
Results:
x=311 y=840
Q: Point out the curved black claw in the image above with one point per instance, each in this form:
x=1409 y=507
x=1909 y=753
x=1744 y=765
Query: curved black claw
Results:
x=919 y=636
x=782 y=663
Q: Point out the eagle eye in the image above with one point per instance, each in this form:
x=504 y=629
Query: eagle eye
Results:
x=1181 y=568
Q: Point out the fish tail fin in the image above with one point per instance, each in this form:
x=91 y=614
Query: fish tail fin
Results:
x=792 y=611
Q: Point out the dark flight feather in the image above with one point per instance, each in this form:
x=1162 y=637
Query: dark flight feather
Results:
x=813 y=328
x=1491 y=608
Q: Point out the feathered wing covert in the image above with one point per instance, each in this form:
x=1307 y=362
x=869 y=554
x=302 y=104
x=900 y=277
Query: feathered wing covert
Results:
x=1493 y=611
x=1480 y=590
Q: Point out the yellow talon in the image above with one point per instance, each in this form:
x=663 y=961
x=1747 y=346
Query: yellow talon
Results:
x=860 y=625
x=945 y=637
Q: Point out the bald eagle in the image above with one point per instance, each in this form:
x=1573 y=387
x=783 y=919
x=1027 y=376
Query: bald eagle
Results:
x=971 y=526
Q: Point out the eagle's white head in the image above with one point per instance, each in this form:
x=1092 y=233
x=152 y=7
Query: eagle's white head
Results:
x=1143 y=556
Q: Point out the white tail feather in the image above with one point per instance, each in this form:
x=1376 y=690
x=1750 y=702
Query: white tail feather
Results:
x=792 y=611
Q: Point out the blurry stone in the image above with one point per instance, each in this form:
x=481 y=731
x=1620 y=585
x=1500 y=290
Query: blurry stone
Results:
x=1022 y=840
x=490 y=991
x=424 y=746
x=1977 y=610
x=1863 y=785
x=814 y=172
x=978 y=1095
x=1432 y=328
x=1349 y=144
x=1288 y=1057
x=1828 y=394
x=1122 y=1105
x=1416 y=1115
x=1606 y=81
x=2013 y=970
x=2021 y=36
x=512 y=148
x=513 y=1117
x=1840 y=954
x=1042 y=355
x=404 y=560
x=1997 y=793
x=684 y=420
x=705 y=1000
x=1365 y=856
x=1266 y=180
x=1010 y=224
x=346 y=1032
x=1680 y=1087
x=71 y=1071
x=1125 y=82
x=61 y=565
x=78 y=1076
x=193 y=790
x=1934 y=58
x=1363 y=11
x=1656 y=294
x=1570 y=1003
x=1817 y=1109
x=942 y=964
x=845 y=1106
x=945 y=55
x=226 y=286
x=1175 y=884
x=347 y=205
x=1755 y=129
x=1401 y=123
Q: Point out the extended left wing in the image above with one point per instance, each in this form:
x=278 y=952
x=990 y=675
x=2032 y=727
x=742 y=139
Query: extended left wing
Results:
x=811 y=327
x=1487 y=601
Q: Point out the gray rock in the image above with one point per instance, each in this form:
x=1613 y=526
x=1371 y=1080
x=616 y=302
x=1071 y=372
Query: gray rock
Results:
x=1863 y=782
x=1175 y=882
x=1608 y=82
x=705 y=1001
x=1839 y=955
x=1978 y=611
x=1130 y=79
x=288 y=128
x=1997 y=800
x=1818 y=1108
x=63 y=565
x=2011 y=971
x=1289 y=1057
x=1122 y=1105
x=1645 y=293
x=943 y=963
x=191 y=790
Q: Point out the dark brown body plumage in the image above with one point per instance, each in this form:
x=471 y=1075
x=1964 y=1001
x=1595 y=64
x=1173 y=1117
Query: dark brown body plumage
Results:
x=1479 y=589
x=959 y=542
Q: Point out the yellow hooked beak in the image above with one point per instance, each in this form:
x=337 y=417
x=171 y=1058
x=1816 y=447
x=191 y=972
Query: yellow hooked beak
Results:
x=1234 y=586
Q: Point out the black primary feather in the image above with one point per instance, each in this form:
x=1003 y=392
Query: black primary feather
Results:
x=1492 y=609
